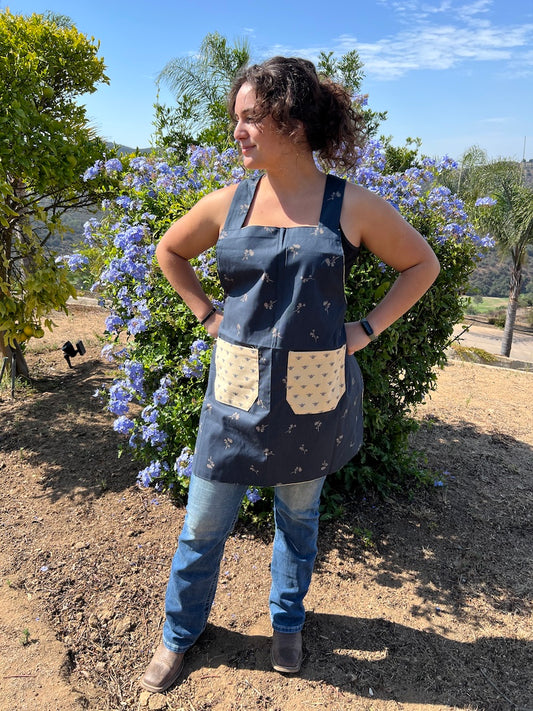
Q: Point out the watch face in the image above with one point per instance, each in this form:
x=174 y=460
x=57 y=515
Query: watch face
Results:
x=367 y=327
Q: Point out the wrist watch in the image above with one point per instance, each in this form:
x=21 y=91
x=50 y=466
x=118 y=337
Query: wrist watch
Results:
x=367 y=328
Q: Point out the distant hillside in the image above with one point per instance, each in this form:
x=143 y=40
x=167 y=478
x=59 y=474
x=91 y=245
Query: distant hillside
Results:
x=126 y=150
x=74 y=221
x=492 y=276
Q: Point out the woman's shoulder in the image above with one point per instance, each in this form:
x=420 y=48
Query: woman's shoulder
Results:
x=219 y=198
x=214 y=206
x=362 y=201
x=361 y=210
x=357 y=194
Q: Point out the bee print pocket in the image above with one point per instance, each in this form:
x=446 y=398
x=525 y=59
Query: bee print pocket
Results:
x=237 y=374
x=315 y=380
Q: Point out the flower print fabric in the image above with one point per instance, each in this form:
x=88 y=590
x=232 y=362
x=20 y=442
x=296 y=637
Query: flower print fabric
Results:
x=284 y=400
x=237 y=378
x=316 y=380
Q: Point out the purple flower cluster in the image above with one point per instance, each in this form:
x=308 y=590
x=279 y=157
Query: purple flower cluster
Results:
x=152 y=472
x=485 y=202
x=113 y=165
x=132 y=388
x=162 y=395
x=123 y=425
x=205 y=264
x=193 y=366
x=93 y=171
x=90 y=231
x=253 y=495
x=417 y=193
x=76 y=261
x=183 y=464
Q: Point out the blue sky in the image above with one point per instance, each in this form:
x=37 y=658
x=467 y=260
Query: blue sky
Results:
x=452 y=72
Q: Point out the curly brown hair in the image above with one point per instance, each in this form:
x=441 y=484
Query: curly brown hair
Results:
x=290 y=91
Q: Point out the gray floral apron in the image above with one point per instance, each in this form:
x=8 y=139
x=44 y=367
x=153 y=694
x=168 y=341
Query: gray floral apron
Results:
x=284 y=400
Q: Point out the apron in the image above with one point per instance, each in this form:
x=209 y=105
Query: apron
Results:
x=284 y=400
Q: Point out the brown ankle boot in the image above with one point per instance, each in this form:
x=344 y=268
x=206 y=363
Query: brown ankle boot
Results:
x=286 y=654
x=163 y=670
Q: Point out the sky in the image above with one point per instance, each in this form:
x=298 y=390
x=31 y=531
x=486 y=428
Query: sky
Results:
x=450 y=72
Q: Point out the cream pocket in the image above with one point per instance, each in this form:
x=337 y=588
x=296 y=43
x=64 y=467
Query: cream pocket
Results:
x=237 y=374
x=316 y=380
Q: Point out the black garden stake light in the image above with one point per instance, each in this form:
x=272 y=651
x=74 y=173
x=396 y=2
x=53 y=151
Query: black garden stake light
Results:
x=69 y=351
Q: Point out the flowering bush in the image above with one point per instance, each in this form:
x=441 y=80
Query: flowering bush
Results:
x=161 y=350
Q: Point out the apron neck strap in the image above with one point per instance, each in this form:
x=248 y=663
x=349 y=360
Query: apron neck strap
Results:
x=330 y=215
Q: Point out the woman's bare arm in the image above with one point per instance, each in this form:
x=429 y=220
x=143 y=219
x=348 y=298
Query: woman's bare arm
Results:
x=191 y=235
x=369 y=220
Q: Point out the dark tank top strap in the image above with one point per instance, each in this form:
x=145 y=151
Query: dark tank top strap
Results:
x=240 y=204
x=330 y=215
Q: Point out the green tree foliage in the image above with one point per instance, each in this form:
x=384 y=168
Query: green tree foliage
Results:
x=45 y=146
x=347 y=70
x=400 y=158
x=200 y=84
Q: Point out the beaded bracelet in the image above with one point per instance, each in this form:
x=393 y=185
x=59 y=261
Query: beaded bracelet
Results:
x=208 y=316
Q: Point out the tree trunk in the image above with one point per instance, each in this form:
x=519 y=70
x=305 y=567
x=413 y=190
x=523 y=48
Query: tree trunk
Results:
x=6 y=246
x=510 y=318
x=20 y=361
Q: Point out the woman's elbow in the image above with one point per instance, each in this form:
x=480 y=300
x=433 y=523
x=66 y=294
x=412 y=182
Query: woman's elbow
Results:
x=163 y=252
x=160 y=252
x=434 y=267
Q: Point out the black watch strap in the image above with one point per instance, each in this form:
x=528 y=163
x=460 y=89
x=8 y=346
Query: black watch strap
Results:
x=367 y=328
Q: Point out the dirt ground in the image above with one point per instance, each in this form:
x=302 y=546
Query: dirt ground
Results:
x=421 y=602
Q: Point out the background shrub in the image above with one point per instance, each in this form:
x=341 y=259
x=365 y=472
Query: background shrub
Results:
x=162 y=352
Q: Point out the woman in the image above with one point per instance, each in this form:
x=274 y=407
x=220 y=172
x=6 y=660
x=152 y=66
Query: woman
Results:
x=283 y=404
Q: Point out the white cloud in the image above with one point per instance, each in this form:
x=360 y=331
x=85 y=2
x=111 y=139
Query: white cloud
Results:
x=461 y=35
x=428 y=45
x=496 y=120
x=474 y=8
x=436 y=37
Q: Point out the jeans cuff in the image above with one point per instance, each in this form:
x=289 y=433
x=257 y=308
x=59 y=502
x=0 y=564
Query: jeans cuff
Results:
x=174 y=648
x=287 y=630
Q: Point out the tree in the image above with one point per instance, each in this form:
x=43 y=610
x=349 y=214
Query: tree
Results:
x=200 y=84
x=348 y=71
x=45 y=147
x=505 y=209
x=510 y=222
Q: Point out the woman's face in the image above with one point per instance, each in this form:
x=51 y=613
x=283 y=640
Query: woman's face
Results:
x=262 y=145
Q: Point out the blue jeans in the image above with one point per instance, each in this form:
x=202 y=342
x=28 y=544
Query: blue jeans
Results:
x=212 y=510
